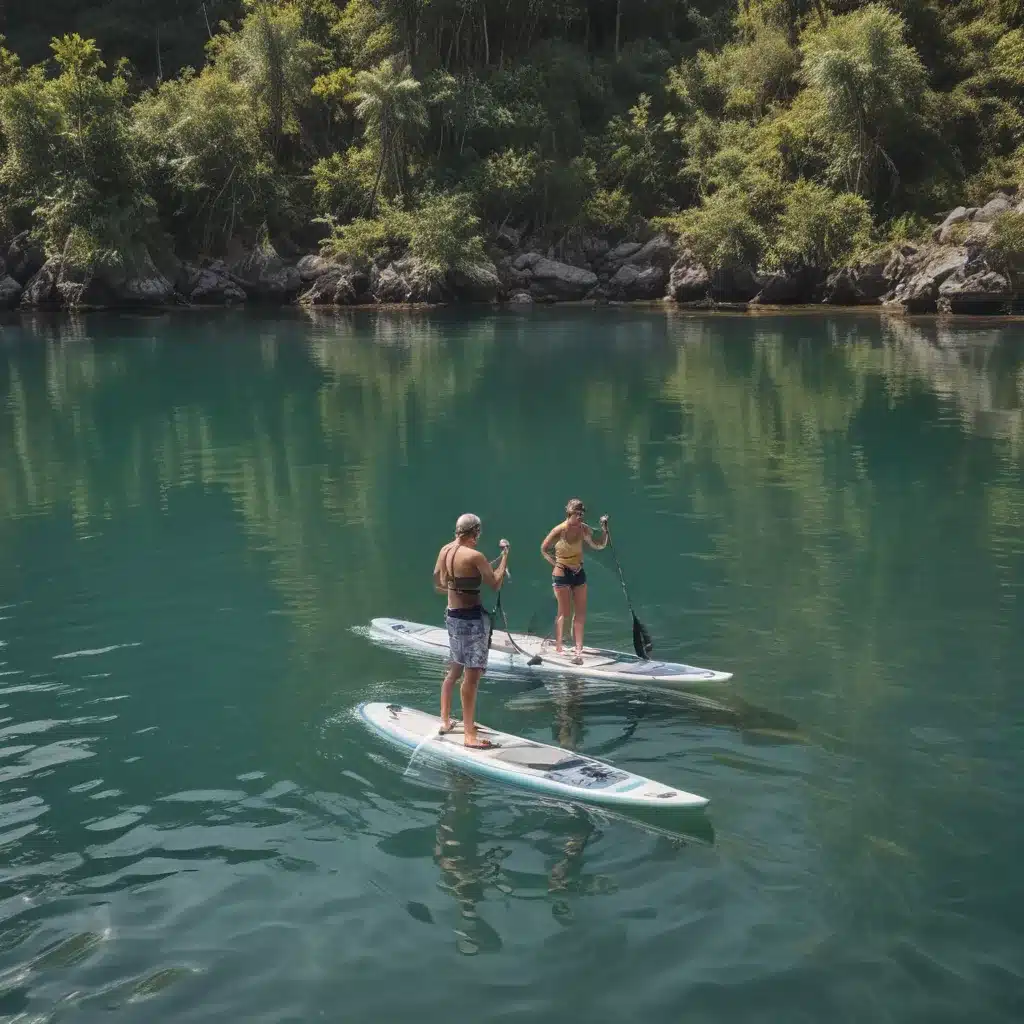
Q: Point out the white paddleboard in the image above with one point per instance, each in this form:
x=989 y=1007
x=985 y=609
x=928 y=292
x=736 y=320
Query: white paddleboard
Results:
x=597 y=663
x=524 y=763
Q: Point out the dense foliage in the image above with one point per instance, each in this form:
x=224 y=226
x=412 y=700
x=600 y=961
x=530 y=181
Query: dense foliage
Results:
x=772 y=133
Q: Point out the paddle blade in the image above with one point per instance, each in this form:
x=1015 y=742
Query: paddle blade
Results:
x=642 y=642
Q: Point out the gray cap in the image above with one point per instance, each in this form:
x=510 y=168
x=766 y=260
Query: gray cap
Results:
x=467 y=523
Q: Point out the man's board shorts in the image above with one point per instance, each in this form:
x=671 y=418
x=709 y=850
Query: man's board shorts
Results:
x=469 y=636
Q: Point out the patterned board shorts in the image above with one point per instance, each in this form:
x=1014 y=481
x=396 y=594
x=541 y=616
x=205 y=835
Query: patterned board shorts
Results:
x=469 y=640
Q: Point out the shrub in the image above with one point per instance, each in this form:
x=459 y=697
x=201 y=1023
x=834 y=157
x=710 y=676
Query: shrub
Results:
x=1005 y=246
x=819 y=228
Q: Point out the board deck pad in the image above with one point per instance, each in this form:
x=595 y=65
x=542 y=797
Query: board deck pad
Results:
x=597 y=663
x=524 y=763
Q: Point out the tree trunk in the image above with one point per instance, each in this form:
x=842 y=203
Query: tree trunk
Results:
x=380 y=171
x=618 y=26
x=487 y=41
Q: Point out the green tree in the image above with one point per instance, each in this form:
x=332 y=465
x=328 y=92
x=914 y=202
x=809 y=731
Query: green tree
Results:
x=69 y=154
x=871 y=85
x=390 y=103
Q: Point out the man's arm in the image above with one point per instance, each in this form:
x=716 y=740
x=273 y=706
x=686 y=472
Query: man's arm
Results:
x=494 y=578
x=440 y=584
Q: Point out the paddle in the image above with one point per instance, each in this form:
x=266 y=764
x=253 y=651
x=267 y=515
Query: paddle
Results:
x=642 y=642
x=536 y=659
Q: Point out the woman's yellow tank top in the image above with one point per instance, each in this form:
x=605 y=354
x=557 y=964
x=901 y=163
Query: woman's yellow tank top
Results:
x=569 y=553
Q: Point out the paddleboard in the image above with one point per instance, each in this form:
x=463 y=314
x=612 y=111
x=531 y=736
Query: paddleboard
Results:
x=597 y=663
x=524 y=763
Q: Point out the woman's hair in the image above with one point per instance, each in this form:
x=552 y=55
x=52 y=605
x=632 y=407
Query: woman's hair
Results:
x=575 y=505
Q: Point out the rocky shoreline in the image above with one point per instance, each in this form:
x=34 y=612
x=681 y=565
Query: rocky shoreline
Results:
x=949 y=274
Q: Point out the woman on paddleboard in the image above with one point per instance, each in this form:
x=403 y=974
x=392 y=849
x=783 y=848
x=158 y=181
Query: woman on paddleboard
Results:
x=459 y=572
x=563 y=548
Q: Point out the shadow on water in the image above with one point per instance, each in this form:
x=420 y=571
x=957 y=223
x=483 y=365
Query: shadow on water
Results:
x=572 y=699
x=471 y=853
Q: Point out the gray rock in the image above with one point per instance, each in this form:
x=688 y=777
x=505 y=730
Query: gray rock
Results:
x=994 y=208
x=856 y=286
x=312 y=267
x=527 y=261
x=624 y=250
x=784 y=288
x=688 y=280
x=41 y=291
x=339 y=286
x=265 y=276
x=405 y=281
x=521 y=299
x=560 y=281
x=632 y=283
x=978 y=234
x=25 y=258
x=508 y=239
x=10 y=292
x=483 y=285
x=921 y=278
x=658 y=252
x=983 y=291
x=943 y=232
x=214 y=286
x=736 y=284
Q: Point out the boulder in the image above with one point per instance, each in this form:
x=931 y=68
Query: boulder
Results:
x=993 y=209
x=526 y=261
x=213 y=285
x=508 y=239
x=404 y=281
x=339 y=285
x=856 y=286
x=918 y=291
x=978 y=234
x=553 y=281
x=25 y=258
x=623 y=251
x=10 y=292
x=41 y=291
x=130 y=280
x=688 y=280
x=658 y=252
x=983 y=291
x=521 y=299
x=265 y=277
x=944 y=231
x=311 y=267
x=735 y=284
x=631 y=283
x=483 y=285
x=785 y=288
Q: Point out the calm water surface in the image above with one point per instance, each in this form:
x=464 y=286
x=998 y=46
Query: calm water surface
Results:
x=198 y=512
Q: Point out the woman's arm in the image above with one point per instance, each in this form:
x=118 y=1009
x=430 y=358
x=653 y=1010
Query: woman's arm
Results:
x=588 y=535
x=549 y=541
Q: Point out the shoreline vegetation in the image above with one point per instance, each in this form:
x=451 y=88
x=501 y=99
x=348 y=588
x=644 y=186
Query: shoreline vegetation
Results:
x=395 y=152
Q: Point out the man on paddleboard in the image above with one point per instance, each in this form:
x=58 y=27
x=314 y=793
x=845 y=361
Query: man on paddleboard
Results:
x=459 y=571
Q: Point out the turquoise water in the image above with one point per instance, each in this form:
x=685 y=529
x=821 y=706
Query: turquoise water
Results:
x=199 y=512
